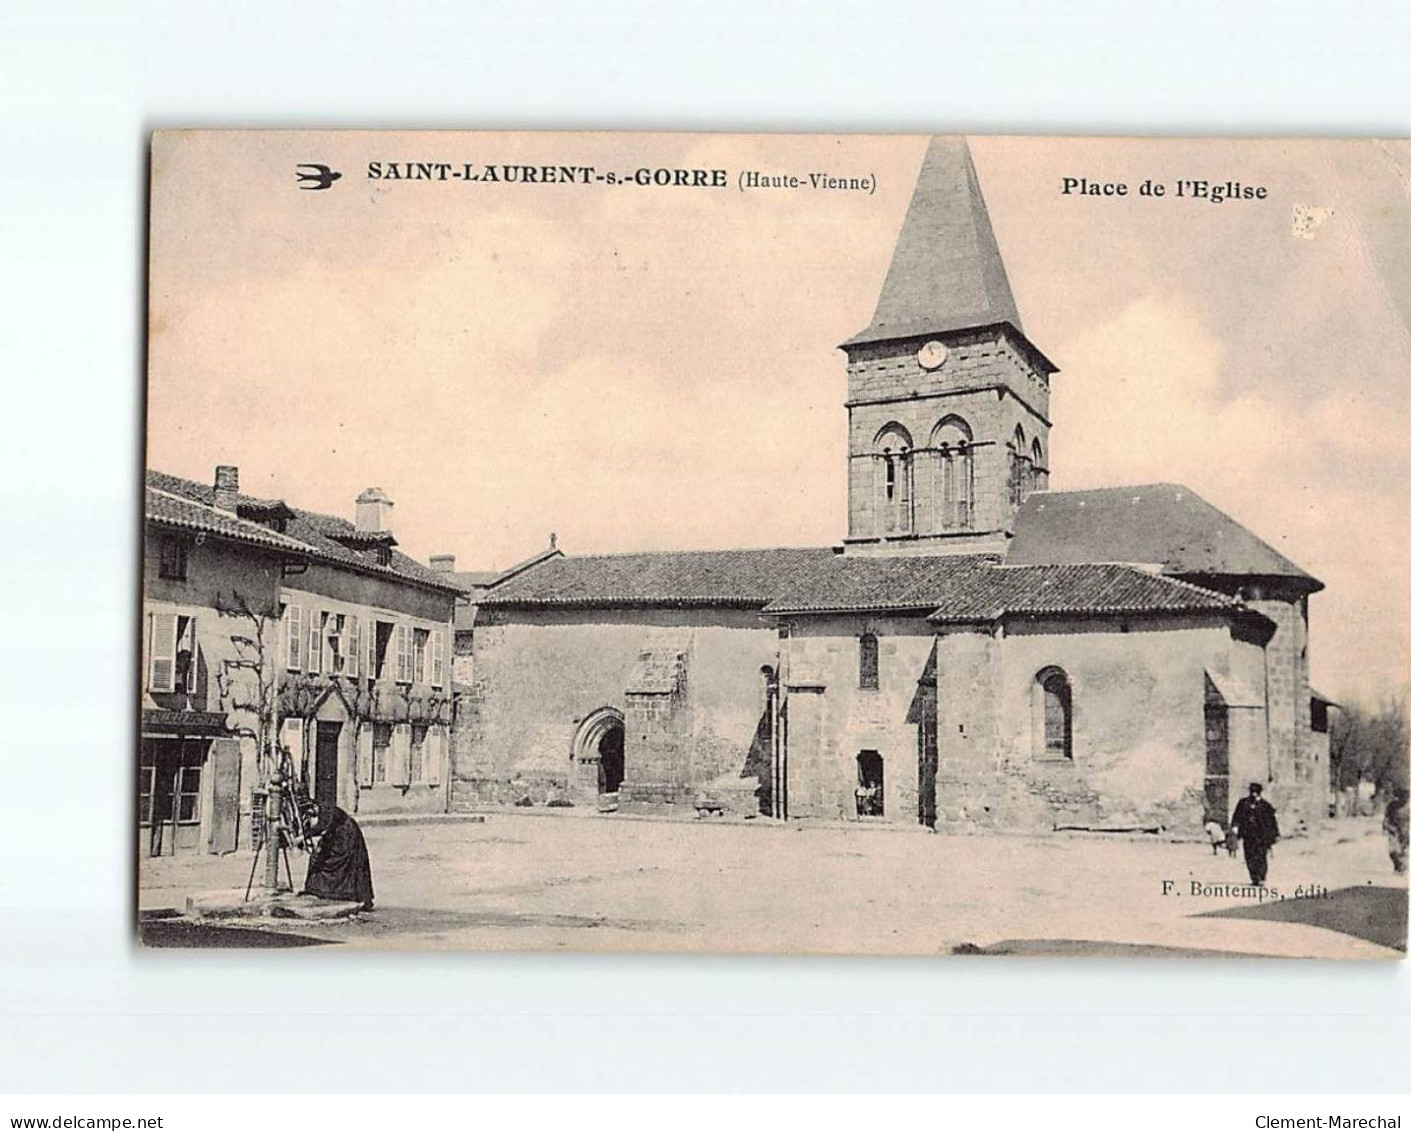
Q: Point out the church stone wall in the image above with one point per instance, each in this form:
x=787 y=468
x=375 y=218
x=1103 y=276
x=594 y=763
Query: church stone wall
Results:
x=891 y=369
x=1139 y=752
x=831 y=719
x=1138 y=723
x=539 y=674
x=1291 y=784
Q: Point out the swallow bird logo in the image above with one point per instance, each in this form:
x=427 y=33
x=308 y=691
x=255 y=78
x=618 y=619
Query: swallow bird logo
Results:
x=317 y=177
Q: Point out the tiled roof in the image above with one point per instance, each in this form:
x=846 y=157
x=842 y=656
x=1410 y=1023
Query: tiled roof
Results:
x=976 y=588
x=866 y=583
x=731 y=578
x=955 y=588
x=186 y=514
x=1072 y=590
x=312 y=533
x=1162 y=524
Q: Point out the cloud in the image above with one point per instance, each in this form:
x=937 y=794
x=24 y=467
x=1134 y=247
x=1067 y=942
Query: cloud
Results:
x=1143 y=398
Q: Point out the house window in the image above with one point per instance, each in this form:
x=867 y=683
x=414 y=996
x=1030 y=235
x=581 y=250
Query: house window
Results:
x=171 y=654
x=294 y=647
x=335 y=628
x=870 y=791
x=186 y=653
x=188 y=784
x=954 y=491
x=416 y=773
x=146 y=780
x=1056 y=713
x=379 y=640
x=171 y=563
x=421 y=669
x=892 y=458
x=867 y=678
x=381 y=751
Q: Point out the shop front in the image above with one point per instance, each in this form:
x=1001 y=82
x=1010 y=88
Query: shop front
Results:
x=188 y=784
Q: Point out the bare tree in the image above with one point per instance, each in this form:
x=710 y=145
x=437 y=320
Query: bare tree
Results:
x=1370 y=744
x=247 y=680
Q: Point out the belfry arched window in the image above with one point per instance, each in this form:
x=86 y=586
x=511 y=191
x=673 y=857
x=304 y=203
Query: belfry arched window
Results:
x=892 y=451
x=1018 y=466
x=1054 y=710
x=954 y=488
x=1038 y=469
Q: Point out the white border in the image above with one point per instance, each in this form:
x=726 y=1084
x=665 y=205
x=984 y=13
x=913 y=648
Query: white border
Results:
x=81 y=84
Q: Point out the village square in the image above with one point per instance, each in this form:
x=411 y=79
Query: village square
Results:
x=992 y=718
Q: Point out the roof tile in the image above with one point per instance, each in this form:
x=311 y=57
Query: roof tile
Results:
x=307 y=531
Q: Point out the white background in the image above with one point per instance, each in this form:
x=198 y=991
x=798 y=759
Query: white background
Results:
x=80 y=87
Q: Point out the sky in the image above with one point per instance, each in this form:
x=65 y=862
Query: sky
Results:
x=657 y=368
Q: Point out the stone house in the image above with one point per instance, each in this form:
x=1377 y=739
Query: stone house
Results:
x=980 y=653
x=352 y=639
x=210 y=600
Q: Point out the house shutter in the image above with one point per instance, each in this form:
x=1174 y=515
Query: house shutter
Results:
x=372 y=649
x=399 y=770
x=294 y=646
x=162 y=650
x=315 y=644
x=365 y=754
x=354 y=648
x=431 y=757
x=404 y=654
x=438 y=658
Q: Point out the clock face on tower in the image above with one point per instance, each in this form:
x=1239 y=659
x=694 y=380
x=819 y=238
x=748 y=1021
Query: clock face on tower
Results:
x=932 y=355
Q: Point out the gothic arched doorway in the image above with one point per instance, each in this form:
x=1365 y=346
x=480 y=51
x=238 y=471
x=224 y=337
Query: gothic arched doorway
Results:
x=610 y=764
x=598 y=753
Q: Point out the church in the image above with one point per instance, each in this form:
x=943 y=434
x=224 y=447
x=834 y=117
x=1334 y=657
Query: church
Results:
x=979 y=654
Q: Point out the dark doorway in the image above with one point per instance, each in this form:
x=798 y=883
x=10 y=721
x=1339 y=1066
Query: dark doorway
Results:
x=870 y=791
x=326 y=764
x=926 y=756
x=610 y=761
x=1217 y=756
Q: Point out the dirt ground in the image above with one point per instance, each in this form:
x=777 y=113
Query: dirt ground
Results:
x=569 y=880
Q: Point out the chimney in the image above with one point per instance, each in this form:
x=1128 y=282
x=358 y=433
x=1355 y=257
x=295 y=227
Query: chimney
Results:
x=443 y=563
x=374 y=512
x=227 y=487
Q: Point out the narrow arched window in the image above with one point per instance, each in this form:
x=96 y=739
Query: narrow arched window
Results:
x=1018 y=466
x=867 y=673
x=1038 y=469
x=1055 y=713
x=892 y=452
x=954 y=489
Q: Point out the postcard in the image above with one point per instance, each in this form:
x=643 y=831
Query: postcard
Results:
x=784 y=544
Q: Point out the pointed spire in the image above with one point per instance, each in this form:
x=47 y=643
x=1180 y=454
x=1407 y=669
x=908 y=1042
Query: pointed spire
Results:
x=946 y=271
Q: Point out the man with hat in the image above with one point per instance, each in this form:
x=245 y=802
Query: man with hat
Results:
x=1256 y=825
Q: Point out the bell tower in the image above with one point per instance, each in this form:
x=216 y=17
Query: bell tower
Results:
x=948 y=425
